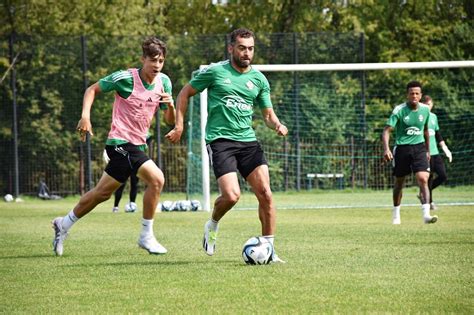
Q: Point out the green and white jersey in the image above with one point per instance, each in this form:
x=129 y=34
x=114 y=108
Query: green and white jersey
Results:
x=122 y=82
x=409 y=124
x=231 y=99
x=432 y=128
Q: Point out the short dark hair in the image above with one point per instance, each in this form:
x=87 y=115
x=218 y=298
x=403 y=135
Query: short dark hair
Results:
x=153 y=46
x=426 y=99
x=413 y=84
x=240 y=32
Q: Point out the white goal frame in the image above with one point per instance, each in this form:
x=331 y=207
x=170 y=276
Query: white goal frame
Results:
x=206 y=188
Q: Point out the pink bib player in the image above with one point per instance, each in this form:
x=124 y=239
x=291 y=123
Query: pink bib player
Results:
x=131 y=117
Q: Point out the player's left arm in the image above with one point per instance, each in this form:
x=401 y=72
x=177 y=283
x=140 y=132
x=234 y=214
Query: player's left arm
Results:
x=167 y=99
x=443 y=145
x=272 y=121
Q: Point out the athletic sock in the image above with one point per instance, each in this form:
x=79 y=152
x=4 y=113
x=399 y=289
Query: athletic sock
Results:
x=147 y=227
x=270 y=238
x=213 y=224
x=425 y=209
x=69 y=220
x=396 y=212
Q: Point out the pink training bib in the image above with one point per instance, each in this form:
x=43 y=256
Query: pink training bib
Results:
x=131 y=117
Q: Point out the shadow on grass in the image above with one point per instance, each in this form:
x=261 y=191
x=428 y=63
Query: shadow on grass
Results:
x=151 y=263
x=27 y=256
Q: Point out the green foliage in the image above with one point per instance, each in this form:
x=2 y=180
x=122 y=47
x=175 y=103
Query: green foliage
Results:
x=50 y=67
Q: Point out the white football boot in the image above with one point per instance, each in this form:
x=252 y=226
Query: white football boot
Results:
x=149 y=243
x=430 y=219
x=59 y=236
x=276 y=259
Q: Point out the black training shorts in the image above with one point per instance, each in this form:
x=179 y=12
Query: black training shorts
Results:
x=125 y=159
x=228 y=156
x=410 y=158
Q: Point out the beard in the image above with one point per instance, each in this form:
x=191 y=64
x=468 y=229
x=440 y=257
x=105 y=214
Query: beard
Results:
x=242 y=63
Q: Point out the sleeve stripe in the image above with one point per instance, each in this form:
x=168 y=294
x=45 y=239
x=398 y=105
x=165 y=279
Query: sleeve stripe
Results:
x=121 y=75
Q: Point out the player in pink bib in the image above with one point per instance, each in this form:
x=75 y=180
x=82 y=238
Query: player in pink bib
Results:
x=139 y=93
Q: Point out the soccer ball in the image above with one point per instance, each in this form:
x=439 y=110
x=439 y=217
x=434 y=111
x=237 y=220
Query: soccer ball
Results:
x=130 y=207
x=257 y=251
x=8 y=198
x=195 y=205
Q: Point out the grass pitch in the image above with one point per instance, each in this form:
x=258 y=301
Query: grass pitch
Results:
x=338 y=261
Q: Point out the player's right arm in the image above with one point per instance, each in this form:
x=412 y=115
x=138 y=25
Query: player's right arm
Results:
x=181 y=106
x=387 y=154
x=84 y=125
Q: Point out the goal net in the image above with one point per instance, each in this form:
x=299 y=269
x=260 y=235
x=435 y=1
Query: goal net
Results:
x=335 y=114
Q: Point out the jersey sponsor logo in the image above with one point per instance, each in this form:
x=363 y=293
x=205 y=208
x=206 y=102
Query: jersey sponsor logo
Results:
x=232 y=101
x=413 y=131
x=250 y=85
x=149 y=100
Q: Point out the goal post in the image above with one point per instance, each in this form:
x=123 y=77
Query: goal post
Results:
x=292 y=68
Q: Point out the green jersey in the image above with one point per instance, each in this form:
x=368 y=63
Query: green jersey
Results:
x=409 y=124
x=432 y=128
x=231 y=99
x=122 y=82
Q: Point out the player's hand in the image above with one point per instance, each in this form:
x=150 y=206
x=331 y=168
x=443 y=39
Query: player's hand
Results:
x=165 y=98
x=387 y=156
x=281 y=130
x=174 y=135
x=448 y=153
x=84 y=126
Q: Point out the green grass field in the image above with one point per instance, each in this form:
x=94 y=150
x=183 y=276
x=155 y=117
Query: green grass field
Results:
x=339 y=260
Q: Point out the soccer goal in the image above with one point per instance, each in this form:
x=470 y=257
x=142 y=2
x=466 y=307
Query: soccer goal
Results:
x=335 y=114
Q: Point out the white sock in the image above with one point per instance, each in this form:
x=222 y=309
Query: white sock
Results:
x=270 y=238
x=425 y=209
x=147 y=226
x=69 y=220
x=213 y=224
x=396 y=212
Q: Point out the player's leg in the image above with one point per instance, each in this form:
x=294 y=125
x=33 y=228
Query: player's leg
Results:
x=118 y=197
x=421 y=167
x=61 y=225
x=259 y=180
x=132 y=206
x=154 y=180
x=437 y=166
x=422 y=180
x=224 y=163
x=401 y=168
x=397 y=199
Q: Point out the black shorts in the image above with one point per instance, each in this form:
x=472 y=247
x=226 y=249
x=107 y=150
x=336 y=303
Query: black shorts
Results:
x=125 y=159
x=410 y=158
x=228 y=156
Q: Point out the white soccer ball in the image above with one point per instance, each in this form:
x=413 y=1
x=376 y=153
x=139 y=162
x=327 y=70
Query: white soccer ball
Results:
x=195 y=205
x=167 y=205
x=8 y=198
x=130 y=207
x=257 y=251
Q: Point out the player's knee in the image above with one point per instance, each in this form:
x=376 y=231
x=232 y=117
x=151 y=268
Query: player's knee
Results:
x=265 y=195
x=232 y=197
x=442 y=178
x=156 y=184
